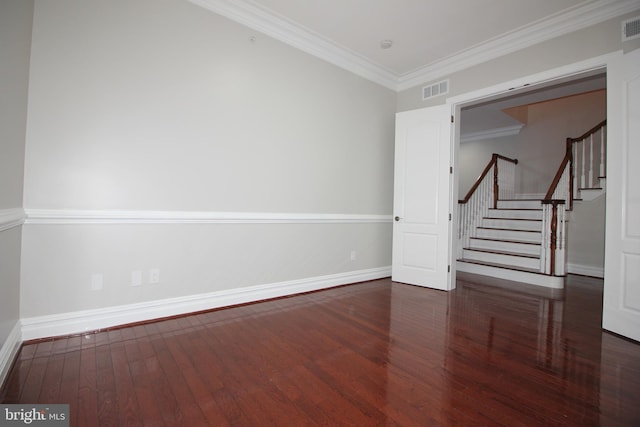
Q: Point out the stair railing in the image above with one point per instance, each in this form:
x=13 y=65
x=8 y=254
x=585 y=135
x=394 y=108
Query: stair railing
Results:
x=497 y=181
x=583 y=155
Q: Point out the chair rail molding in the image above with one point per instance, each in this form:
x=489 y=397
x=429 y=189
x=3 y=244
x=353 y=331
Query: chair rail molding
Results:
x=64 y=216
x=10 y=218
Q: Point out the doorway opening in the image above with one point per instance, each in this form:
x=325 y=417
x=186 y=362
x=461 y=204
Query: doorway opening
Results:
x=531 y=122
x=533 y=127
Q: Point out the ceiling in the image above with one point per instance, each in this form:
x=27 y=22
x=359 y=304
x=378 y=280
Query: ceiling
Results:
x=430 y=38
x=423 y=31
x=491 y=117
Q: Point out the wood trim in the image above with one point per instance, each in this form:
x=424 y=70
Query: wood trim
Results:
x=557 y=177
x=568 y=159
x=589 y=132
x=492 y=162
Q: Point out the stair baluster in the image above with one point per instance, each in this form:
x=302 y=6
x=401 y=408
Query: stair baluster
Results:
x=483 y=195
x=563 y=191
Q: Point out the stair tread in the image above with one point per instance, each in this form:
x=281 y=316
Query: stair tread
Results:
x=515 y=209
x=511 y=219
x=498 y=265
x=499 y=252
x=508 y=229
x=526 y=242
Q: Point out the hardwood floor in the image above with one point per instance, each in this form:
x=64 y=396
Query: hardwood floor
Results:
x=374 y=353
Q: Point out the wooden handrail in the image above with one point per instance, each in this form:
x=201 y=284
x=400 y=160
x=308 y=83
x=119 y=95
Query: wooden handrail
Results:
x=492 y=162
x=568 y=158
x=594 y=129
x=556 y=179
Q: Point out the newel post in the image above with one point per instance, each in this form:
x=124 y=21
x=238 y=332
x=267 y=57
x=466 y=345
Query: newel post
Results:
x=553 y=233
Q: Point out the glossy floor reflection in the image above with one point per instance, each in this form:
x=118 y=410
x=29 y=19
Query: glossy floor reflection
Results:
x=375 y=353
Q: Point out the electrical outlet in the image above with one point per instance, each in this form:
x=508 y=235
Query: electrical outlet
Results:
x=354 y=255
x=96 y=282
x=154 y=276
x=136 y=278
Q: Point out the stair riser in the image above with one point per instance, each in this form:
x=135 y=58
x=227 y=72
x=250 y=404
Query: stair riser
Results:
x=526 y=236
x=512 y=224
x=514 y=213
x=497 y=245
x=590 y=194
x=519 y=204
x=501 y=259
x=518 y=276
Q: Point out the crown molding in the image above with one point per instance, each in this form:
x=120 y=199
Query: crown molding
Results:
x=68 y=216
x=490 y=134
x=540 y=31
x=280 y=28
x=252 y=15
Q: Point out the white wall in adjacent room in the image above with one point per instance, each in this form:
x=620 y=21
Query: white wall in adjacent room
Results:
x=541 y=144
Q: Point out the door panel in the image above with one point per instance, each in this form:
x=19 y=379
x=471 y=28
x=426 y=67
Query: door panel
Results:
x=621 y=308
x=421 y=198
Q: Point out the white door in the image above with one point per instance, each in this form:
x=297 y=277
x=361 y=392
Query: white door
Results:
x=621 y=308
x=421 y=245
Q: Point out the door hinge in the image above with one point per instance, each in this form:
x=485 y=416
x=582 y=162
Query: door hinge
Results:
x=452 y=119
x=449 y=217
x=450 y=169
x=449 y=268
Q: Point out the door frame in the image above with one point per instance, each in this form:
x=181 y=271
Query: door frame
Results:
x=504 y=89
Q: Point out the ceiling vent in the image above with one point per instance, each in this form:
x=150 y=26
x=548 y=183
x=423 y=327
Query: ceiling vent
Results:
x=435 y=89
x=631 y=29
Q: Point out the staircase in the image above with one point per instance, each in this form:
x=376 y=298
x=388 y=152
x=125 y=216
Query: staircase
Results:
x=508 y=244
x=524 y=240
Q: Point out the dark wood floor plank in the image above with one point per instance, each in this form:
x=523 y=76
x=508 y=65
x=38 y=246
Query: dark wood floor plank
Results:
x=71 y=380
x=87 y=388
x=16 y=380
x=177 y=384
x=490 y=352
x=108 y=408
x=198 y=381
x=129 y=413
x=52 y=379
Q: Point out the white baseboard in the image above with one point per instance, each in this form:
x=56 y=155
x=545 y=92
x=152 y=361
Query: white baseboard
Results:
x=586 y=270
x=9 y=351
x=92 y=320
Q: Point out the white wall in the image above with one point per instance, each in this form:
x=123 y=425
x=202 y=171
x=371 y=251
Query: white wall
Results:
x=15 y=34
x=475 y=155
x=586 y=237
x=158 y=105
